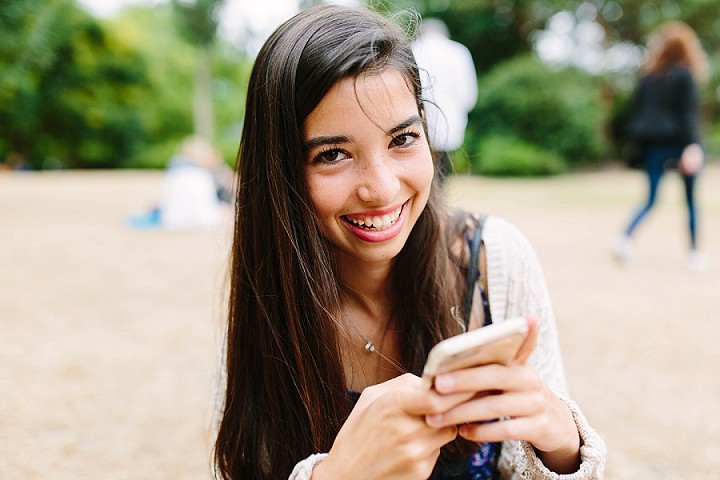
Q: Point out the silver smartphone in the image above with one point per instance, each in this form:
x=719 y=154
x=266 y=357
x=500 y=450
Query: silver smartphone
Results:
x=494 y=343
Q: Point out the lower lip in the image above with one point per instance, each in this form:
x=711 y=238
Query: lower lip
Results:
x=377 y=236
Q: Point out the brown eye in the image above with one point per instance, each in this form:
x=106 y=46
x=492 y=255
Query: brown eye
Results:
x=331 y=156
x=404 y=139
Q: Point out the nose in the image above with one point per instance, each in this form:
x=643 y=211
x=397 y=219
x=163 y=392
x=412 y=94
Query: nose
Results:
x=378 y=180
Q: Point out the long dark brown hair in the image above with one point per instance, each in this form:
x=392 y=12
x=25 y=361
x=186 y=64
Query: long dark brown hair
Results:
x=286 y=395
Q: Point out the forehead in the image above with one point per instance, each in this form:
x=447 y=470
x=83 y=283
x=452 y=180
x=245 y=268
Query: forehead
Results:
x=382 y=99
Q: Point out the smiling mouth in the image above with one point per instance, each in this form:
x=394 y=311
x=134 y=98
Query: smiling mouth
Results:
x=376 y=222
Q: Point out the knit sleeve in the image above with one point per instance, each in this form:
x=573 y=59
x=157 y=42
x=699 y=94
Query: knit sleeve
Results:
x=516 y=287
x=520 y=461
x=303 y=470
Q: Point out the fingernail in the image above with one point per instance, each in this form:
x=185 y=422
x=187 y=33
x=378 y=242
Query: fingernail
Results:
x=434 y=419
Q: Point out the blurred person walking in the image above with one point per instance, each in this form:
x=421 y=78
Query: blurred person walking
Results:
x=664 y=123
x=449 y=83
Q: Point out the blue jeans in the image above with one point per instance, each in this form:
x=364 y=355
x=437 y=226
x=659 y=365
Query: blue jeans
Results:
x=657 y=160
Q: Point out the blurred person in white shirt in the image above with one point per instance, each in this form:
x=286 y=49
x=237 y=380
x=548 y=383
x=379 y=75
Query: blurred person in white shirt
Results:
x=449 y=83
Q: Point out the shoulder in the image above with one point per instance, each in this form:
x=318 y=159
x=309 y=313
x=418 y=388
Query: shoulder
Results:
x=502 y=235
x=505 y=243
x=514 y=273
x=668 y=80
x=505 y=239
x=508 y=251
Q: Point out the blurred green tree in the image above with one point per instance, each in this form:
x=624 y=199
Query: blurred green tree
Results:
x=556 y=110
x=493 y=30
x=498 y=30
x=198 y=24
x=67 y=97
x=167 y=110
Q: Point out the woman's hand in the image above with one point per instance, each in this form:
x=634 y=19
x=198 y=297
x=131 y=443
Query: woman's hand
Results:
x=527 y=409
x=691 y=159
x=386 y=435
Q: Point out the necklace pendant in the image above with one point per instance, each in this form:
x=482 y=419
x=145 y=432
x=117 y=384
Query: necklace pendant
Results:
x=370 y=346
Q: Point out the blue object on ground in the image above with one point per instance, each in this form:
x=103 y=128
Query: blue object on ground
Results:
x=145 y=220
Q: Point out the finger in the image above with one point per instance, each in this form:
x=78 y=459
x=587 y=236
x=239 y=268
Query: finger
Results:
x=491 y=408
x=528 y=345
x=498 y=431
x=370 y=394
x=487 y=378
x=422 y=454
x=446 y=435
x=421 y=401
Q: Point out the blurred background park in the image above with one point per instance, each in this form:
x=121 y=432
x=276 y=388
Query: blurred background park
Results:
x=108 y=335
x=99 y=84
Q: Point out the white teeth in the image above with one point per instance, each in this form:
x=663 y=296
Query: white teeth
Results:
x=377 y=223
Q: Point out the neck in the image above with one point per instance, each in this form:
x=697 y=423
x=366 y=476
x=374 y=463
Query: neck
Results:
x=367 y=293
x=367 y=314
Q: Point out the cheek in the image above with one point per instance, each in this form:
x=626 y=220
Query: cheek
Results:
x=423 y=173
x=324 y=198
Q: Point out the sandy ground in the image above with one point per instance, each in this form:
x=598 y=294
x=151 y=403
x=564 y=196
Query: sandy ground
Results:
x=108 y=335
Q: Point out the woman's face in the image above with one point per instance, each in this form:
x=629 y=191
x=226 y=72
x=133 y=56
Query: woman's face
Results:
x=368 y=165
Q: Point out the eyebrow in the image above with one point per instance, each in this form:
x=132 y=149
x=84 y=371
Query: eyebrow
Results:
x=327 y=140
x=337 y=139
x=414 y=120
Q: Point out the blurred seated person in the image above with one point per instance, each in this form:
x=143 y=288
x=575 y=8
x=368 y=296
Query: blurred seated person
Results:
x=196 y=190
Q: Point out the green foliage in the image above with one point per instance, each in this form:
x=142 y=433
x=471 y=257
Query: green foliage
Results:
x=712 y=142
x=155 y=155
x=492 y=37
x=64 y=94
x=507 y=156
x=198 y=23
x=79 y=93
x=558 y=111
x=76 y=92
x=493 y=31
x=640 y=17
x=231 y=73
x=167 y=103
x=197 y=20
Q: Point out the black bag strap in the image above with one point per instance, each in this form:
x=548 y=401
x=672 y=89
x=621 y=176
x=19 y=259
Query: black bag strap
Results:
x=471 y=276
x=453 y=467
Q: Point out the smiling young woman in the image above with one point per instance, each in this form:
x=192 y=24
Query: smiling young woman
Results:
x=347 y=269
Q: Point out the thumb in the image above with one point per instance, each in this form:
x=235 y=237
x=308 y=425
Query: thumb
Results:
x=528 y=345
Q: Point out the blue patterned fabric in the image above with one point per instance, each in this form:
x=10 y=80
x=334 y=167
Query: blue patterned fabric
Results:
x=480 y=466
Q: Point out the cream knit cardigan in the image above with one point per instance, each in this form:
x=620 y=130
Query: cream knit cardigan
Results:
x=516 y=286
